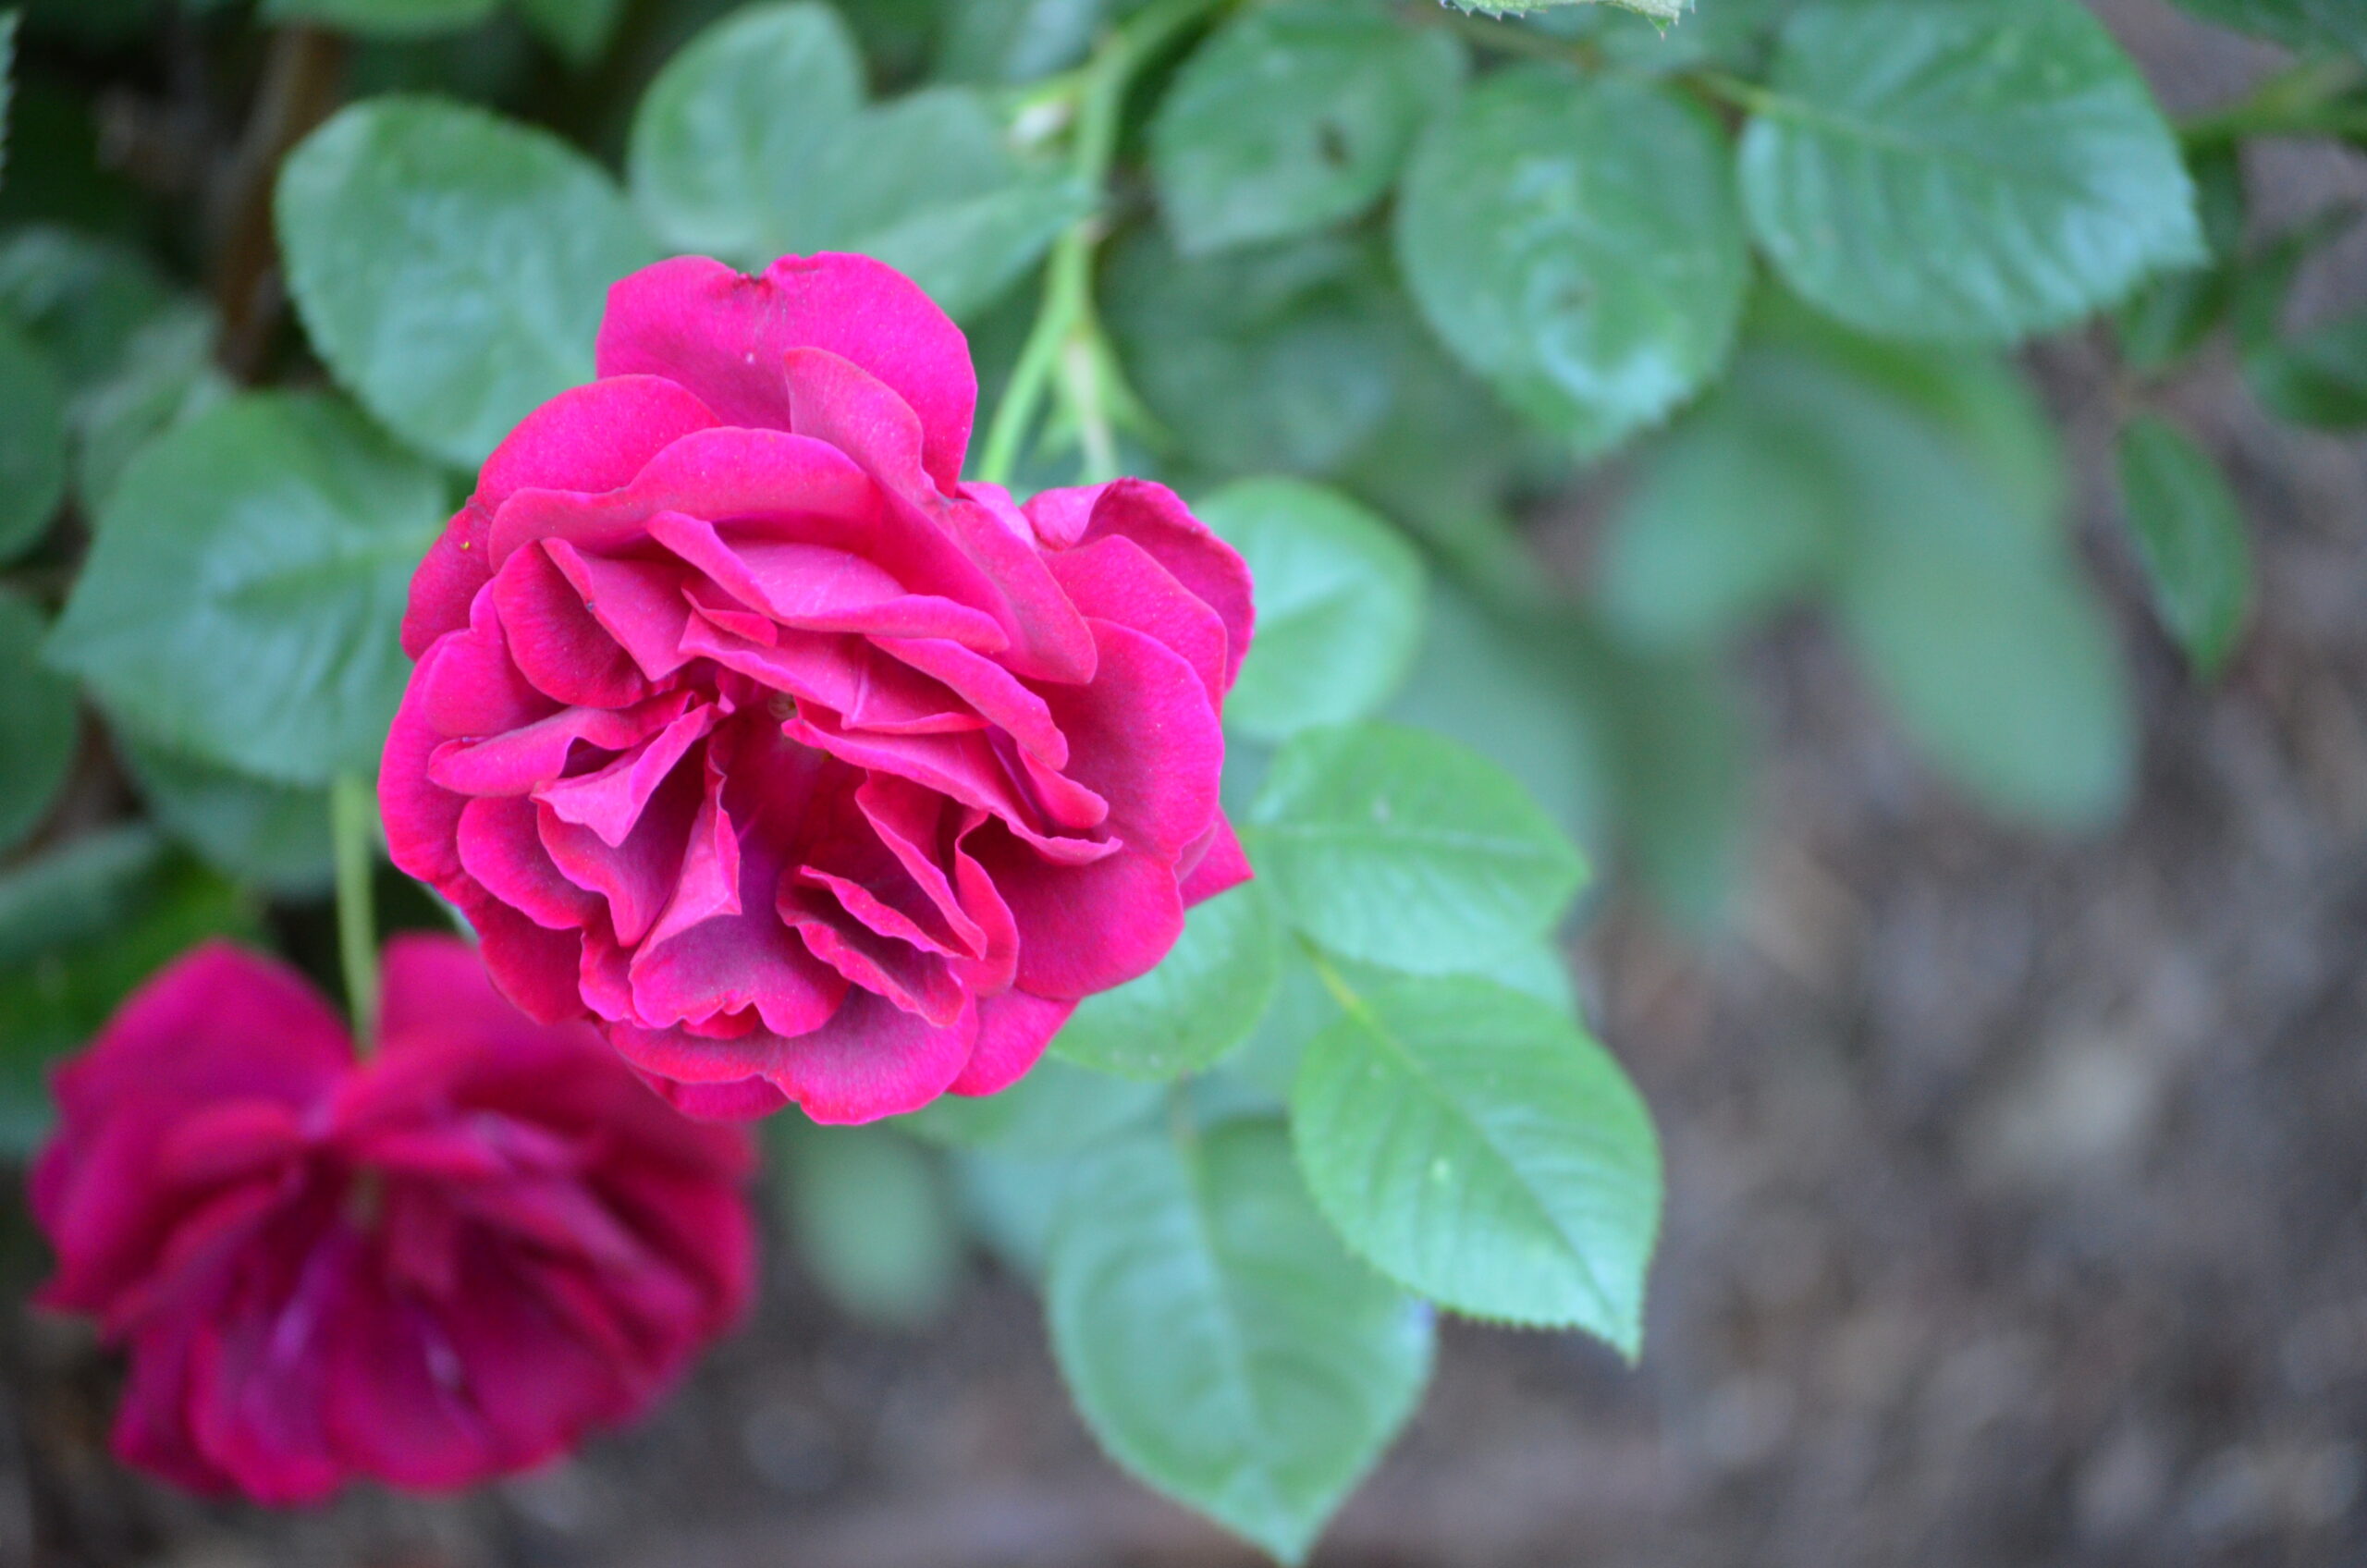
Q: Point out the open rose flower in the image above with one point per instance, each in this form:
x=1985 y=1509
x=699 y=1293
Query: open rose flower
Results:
x=432 y=1267
x=815 y=775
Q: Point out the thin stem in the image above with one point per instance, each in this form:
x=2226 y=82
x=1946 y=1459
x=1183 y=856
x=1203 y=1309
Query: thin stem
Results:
x=1066 y=314
x=299 y=86
x=353 y=828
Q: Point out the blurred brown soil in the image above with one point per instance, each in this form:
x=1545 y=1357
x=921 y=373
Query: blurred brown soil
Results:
x=2018 y=1188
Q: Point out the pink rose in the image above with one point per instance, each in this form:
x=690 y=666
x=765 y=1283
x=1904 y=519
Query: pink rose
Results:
x=745 y=727
x=432 y=1267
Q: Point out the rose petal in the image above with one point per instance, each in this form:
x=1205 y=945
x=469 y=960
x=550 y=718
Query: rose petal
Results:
x=1014 y=1029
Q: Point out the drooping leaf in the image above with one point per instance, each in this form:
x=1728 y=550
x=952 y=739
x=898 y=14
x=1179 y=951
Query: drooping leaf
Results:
x=32 y=443
x=1221 y=1343
x=871 y=1217
x=1576 y=242
x=1055 y=1110
x=2318 y=378
x=2190 y=534
x=450 y=266
x=1401 y=848
x=1202 y=1000
x=37 y=722
x=755 y=142
x=242 y=600
x=1266 y=360
x=252 y=830
x=1477 y=1148
x=1340 y=605
x=1292 y=117
x=1969 y=169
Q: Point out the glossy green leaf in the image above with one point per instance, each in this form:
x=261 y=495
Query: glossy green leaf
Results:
x=384 y=19
x=452 y=267
x=871 y=1217
x=1292 y=117
x=250 y=829
x=1479 y=1149
x=32 y=443
x=734 y=127
x=1340 y=605
x=2318 y=378
x=1055 y=1110
x=56 y=997
x=1976 y=169
x=2298 y=24
x=1220 y=1341
x=1272 y=359
x=1402 y=848
x=243 y=598
x=37 y=722
x=1576 y=241
x=578 y=28
x=1202 y=1000
x=755 y=143
x=2190 y=534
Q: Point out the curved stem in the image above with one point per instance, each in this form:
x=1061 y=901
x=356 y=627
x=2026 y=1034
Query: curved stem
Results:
x=1066 y=315
x=353 y=827
x=2308 y=100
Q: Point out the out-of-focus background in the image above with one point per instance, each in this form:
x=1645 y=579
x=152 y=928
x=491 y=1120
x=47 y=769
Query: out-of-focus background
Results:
x=2017 y=1184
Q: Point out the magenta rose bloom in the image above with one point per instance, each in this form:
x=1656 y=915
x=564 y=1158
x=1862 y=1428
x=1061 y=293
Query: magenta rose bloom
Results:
x=434 y=1266
x=742 y=726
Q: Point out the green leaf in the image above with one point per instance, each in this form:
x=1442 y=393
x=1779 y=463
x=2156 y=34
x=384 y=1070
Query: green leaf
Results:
x=1663 y=10
x=8 y=20
x=450 y=266
x=1971 y=169
x=53 y=1000
x=1479 y=1149
x=2190 y=534
x=1402 y=848
x=1292 y=117
x=37 y=722
x=1733 y=518
x=1010 y=1204
x=754 y=143
x=2298 y=24
x=81 y=300
x=243 y=598
x=1219 y=1340
x=578 y=28
x=32 y=443
x=1998 y=660
x=1275 y=359
x=1340 y=605
x=2318 y=379
x=872 y=1220
x=1201 y=1002
x=1011 y=42
x=165 y=374
x=249 y=829
x=1056 y=1109
x=1576 y=241
x=733 y=129
x=81 y=890
x=384 y=19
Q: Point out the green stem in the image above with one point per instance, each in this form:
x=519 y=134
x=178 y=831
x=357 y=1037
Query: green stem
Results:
x=2305 y=101
x=353 y=827
x=1066 y=314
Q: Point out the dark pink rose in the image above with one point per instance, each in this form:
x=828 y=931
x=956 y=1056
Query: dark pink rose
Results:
x=426 y=1268
x=812 y=773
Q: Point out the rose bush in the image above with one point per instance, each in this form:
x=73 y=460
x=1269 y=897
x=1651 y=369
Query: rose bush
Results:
x=432 y=1267
x=741 y=725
